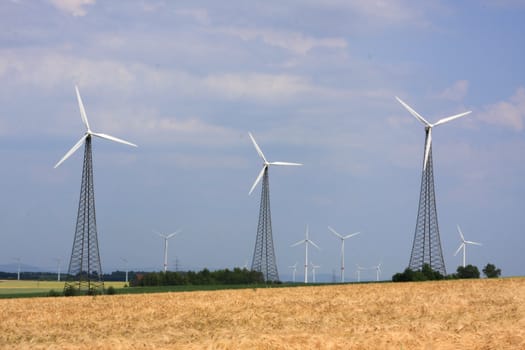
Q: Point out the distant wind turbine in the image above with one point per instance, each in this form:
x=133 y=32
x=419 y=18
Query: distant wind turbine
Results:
x=306 y=241
x=166 y=238
x=314 y=267
x=18 y=268
x=58 y=260
x=294 y=270
x=358 y=272
x=125 y=263
x=342 y=238
x=464 y=246
x=378 y=271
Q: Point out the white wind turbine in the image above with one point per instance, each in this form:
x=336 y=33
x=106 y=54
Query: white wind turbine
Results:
x=378 y=271
x=266 y=163
x=294 y=270
x=306 y=241
x=127 y=269
x=343 y=238
x=464 y=245
x=429 y=126
x=314 y=267
x=88 y=133
x=166 y=238
x=18 y=268
x=358 y=272
x=58 y=260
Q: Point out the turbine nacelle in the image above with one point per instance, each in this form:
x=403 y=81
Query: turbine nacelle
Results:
x=266 y=163
x=429 y=126
x=88 y=132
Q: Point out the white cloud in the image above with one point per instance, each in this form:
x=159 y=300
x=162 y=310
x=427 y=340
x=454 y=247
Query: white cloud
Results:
x=73 y=7
x=510 y=113
x=197 y=14
x=291 y=41
x=456 y=92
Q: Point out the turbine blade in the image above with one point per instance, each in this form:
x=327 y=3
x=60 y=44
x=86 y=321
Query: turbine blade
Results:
x=351 y=235
x=447 y=119
x=113 y=138
x=427 y=148
x=297 y=243
x=335 y=232
x=413 y=112
x=72 y=150
x=460 y=246
x=82 y=110
x=475 y=243
x=315 y=245
x=258 y=179
x=261 y=154
x=461 y=234
x=285 y=163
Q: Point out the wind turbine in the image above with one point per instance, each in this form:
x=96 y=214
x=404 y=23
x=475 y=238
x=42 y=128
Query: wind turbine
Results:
x=294 y=270
x=18 y=268
x=426 y=247
x=166 y=238
x=85 y=258
x=314 y=267
x=264 y=254
x=306 y=241
x=378 y=271
x=58 y=260
x=342 y=238
x=464 y=245
x=358 y=272
x=126 y=263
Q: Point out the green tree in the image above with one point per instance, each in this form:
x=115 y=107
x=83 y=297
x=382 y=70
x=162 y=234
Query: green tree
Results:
x=469 y=271
x=491 y=271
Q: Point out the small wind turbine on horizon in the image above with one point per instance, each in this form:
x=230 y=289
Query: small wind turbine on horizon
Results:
x=342 y=238
x=358 y=272
x=314 y=267
x=58 y=260
x=127 y=269
x=464 y=245
x=306 y=241
x=166 y=238
x=378 y=271
x=17 y=259
x=294 y=270
x=264 y=254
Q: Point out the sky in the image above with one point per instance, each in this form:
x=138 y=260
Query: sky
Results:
x=314 y=81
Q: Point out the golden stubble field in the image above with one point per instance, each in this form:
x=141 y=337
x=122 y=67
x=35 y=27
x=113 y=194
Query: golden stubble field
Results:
x=476 y=314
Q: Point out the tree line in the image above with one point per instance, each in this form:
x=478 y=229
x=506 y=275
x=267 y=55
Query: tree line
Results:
x=427 y=274
x=203 y=277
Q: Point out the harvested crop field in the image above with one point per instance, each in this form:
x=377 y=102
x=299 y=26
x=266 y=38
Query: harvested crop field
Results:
x=464 y=314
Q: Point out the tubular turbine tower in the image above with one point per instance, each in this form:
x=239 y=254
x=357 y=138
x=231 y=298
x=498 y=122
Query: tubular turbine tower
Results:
x=264 y=252
x=426 y=248
x=85 y=270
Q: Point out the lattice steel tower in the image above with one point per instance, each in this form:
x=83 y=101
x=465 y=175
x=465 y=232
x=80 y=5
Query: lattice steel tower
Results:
x=85 y=271
x=264 y=253
x=426 y=248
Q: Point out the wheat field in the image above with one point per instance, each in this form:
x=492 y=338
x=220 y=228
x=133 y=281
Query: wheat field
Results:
x=463 y=314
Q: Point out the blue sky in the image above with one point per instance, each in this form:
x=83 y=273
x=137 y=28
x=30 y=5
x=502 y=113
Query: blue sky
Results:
x=314 y=81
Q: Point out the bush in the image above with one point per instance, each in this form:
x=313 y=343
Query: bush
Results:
x=491 y=271
x=111 y=290
x=425 y=274
x=469 y=271
x=70 y=291
x=54 y=293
